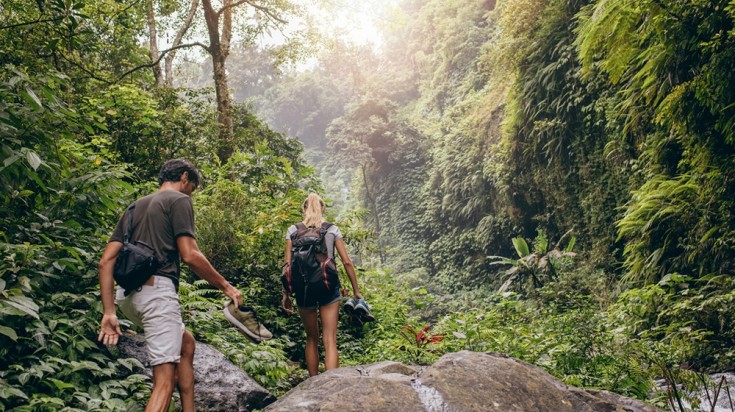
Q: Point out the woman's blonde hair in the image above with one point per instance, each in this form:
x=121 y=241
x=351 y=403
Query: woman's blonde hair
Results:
x=313 y=208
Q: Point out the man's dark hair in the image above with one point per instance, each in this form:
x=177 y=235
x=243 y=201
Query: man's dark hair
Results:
x=171 y=171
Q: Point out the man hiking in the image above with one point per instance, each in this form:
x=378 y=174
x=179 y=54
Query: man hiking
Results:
x=164 y=221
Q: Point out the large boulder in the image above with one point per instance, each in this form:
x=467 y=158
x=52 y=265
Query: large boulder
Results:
x=384 y=386
x=461 y=381
x=219 y=384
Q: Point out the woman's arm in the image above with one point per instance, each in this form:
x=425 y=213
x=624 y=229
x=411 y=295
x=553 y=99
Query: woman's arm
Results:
x=287 y=255
x=285 y=298
x=349 y=267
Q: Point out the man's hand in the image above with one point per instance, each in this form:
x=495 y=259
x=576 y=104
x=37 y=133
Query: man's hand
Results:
x=109 y=326
x=234 y=294
x=109 y=330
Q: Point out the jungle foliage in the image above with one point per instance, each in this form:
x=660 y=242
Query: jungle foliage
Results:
x=478 y=132
x=79 y=142
x=610 y=121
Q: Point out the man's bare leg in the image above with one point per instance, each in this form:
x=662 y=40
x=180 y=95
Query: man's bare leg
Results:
x=164 y=379
x=185 y=372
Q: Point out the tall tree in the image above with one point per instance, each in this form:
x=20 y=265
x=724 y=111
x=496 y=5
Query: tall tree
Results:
x=365 y=137
x=183 y=29
x=220 y=29
x=168 y=55
x=153 y=51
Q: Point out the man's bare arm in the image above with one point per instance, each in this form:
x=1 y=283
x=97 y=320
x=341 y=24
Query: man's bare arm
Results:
x=109 y=326
x=195 y=259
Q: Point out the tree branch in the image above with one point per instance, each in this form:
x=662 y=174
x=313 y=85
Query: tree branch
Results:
x=163 y=54
x=128 y=7
x=187 y=23
x=177 y=41
x=230 y=6
x=85 y=70
x=28 y=23
x=265 y=10
x=136 y=68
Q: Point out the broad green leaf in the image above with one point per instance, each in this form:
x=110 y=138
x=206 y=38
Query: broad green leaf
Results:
x=11 y=159
x=61 y=384
x=84 y=365
x=7 y=392
x=4 y=330
x=23 y=304
x=130 y=363
x=33 y=159
x=32 y=98
x=521 y=246
x=26 y=301
x=8 y=121
x=48 y=400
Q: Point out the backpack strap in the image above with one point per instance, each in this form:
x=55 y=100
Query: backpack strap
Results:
x=299 y=227
x=129 y=232
x=323 y=235
x=324 y=228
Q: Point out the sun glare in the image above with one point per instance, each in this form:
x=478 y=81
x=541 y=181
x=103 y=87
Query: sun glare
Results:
x=354 y=22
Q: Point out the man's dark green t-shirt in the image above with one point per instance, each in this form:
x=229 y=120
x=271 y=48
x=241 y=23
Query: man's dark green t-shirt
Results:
x=158 y=220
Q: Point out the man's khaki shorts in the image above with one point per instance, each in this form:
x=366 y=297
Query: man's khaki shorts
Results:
x=156 y=309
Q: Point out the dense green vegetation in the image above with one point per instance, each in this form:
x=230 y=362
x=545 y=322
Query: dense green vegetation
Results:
x=551 y=179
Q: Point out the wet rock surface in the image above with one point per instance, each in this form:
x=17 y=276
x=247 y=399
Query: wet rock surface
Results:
x=384 y=386
x=461 y=381
x=219 y=384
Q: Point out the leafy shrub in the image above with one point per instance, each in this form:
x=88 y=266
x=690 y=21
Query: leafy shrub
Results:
x=689 y=315
x=419 y=342
x=575 y=343
x=265 y=362
x=243 y=214
x=391 y=303
x=534 y=266
x=61 y=197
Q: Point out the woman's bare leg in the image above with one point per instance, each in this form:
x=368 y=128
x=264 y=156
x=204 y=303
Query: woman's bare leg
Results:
x=330 y=317
x=309 y=319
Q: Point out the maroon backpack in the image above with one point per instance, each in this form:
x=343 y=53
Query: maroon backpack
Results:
x=311 y=269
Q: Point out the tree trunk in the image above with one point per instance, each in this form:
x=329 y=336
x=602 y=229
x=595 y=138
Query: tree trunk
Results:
x=374 y=208
x=219 y=48
x=169 y=59
x=153 y=52
x=224 y=107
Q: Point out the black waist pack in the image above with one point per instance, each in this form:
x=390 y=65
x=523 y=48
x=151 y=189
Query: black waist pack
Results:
x=136 y=262
x=134 y=265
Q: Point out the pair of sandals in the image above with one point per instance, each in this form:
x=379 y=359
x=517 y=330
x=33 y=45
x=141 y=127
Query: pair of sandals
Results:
x=359 y=311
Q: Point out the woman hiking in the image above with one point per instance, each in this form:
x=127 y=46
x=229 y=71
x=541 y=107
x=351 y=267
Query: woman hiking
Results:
x=318 y=300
